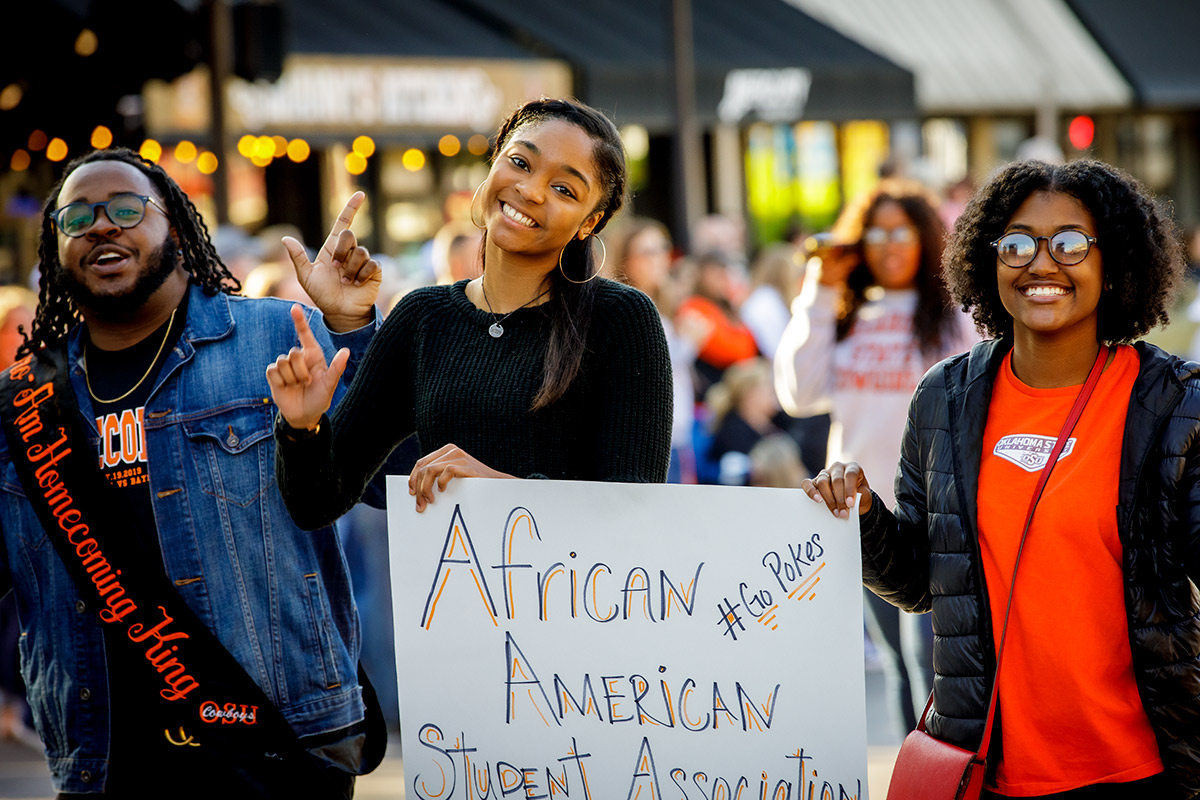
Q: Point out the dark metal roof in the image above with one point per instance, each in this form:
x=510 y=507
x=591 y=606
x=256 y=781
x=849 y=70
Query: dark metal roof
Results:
x=411 y=28
x=1153 y=43
x=620 y=50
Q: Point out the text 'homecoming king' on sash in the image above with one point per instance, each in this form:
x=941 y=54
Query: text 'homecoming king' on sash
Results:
x=191 y=681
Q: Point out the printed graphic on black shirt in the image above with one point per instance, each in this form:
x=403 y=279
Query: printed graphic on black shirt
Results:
x=123 y=447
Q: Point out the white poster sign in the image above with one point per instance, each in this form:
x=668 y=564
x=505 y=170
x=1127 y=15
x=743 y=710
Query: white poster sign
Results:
x=561 y=639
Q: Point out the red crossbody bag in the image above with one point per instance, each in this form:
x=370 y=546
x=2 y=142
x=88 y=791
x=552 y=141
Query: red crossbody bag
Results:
x=928 y=768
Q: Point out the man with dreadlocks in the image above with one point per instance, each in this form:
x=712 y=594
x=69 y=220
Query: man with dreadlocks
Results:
x=180 y=635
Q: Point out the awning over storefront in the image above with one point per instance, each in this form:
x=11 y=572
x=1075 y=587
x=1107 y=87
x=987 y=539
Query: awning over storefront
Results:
x=1153 y=42
x=754 y=59
x=1001 y=56
x=425 y=28
x=379 y=68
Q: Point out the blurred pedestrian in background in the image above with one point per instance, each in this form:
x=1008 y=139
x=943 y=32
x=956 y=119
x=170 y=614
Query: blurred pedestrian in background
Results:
x=712 y=311
x=641 y=249
x=742 y=410
x=538 y=368
x=456 y=252
x=775 y=276
x=775 y=461
x=873 y=316
x=17 y=308
x=1066 y=267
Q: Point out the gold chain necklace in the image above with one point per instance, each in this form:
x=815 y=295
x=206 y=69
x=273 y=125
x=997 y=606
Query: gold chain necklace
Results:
x=87 y=373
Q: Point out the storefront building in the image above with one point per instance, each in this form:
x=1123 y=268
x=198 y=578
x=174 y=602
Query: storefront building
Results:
x=427 y=92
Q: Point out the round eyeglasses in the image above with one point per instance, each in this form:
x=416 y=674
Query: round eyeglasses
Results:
x=1066 y=247
x=124 y=210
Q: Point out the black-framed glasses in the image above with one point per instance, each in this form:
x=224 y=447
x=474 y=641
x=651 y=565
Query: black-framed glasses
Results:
x=1066 y=247
x=878 y=237
x=124 y=210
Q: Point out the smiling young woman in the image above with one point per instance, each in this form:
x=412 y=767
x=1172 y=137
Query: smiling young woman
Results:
x=1065 y=267
x=538 y=368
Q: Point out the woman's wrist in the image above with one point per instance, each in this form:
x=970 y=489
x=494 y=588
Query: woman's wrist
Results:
x=296 y=433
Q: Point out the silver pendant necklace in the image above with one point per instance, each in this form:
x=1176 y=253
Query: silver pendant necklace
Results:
x=496 y=329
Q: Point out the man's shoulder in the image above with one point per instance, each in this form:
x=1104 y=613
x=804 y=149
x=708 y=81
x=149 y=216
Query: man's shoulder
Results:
x=240 y=305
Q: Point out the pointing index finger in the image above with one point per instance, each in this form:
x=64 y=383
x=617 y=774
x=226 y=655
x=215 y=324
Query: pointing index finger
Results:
x=347 y=216
x=342 y=223
x=307 y=339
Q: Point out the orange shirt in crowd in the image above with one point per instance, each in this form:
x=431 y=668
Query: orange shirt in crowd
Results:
x=1069 y=706
x=729 y=342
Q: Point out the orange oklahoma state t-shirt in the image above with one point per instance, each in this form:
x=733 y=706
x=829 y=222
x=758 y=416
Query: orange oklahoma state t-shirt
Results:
x=1069 y=706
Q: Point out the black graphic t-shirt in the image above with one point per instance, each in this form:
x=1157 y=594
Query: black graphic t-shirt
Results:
x=120 y=383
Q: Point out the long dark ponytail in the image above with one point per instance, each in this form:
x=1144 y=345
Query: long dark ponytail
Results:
x=571 y=300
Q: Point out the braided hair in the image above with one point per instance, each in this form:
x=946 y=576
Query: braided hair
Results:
x=571 y=302
x=57 y=311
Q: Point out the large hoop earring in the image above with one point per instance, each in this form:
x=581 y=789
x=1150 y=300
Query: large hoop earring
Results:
x=603 y=258
x=474 y=197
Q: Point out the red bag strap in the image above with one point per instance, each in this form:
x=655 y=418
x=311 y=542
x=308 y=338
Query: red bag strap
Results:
x=1073 y=417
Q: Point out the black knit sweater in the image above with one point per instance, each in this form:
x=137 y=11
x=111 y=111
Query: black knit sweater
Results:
x=432 y=368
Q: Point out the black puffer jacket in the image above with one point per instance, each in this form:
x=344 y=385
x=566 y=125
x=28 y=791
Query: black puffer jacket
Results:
x=925 y=554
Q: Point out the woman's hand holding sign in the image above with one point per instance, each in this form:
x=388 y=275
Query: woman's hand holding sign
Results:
x=836 y=486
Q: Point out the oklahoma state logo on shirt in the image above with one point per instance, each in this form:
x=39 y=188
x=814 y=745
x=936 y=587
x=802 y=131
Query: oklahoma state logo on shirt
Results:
x=1029 y=451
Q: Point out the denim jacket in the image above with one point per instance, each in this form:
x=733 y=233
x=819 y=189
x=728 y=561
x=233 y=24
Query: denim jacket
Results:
x=276 y=596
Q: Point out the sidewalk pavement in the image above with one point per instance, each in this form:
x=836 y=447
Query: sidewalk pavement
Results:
x=23 y=772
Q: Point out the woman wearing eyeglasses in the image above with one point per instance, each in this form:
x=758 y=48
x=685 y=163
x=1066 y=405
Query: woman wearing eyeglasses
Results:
x=1099 y=687
x=869 y=321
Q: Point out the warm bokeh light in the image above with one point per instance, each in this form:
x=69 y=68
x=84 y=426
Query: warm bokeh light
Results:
x=102 y=137
x=207 y=163
x=261 y=161
x=364 y=146
x=150 y=150
x=477 y=145
x=281 y=144
x=413 y=160
x=298 y=150
x=56 y=150
x=449 y=145
x=264 y=148
x=245 y=145
x=37 y=140
x=20 y=161
x=86 y=43
x=10 y=96
x=355 y=164
x=185 y=152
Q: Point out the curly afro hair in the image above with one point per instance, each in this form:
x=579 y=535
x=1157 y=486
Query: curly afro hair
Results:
x=1141 y=248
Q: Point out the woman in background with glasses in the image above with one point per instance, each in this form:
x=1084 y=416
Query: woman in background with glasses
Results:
x=872 y=316
x=1099 y=691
